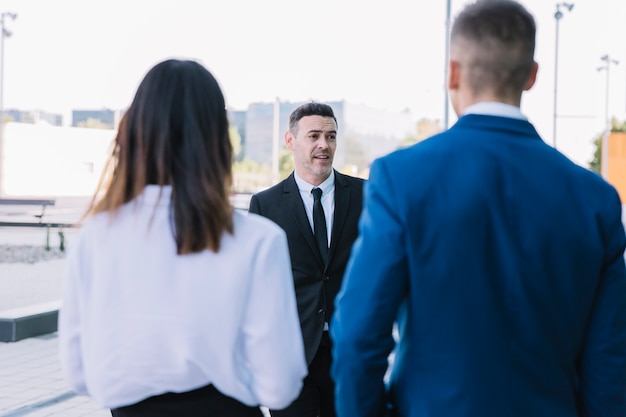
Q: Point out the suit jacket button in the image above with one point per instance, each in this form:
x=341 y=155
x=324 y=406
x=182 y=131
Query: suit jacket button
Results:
x=326 y=278
x=321 y=312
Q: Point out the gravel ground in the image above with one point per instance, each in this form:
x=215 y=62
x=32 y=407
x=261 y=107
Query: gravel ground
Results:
x=28 y=254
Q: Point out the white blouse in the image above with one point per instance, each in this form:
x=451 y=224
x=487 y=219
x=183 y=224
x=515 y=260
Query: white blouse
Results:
x=138 y=320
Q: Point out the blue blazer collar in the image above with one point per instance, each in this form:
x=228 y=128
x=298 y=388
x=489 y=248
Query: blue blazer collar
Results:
x=496 y=123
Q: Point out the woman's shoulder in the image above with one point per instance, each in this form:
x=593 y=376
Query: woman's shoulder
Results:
x=251 y=223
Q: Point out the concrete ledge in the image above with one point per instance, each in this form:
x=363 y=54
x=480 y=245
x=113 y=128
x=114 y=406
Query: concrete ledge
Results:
x=21 y=323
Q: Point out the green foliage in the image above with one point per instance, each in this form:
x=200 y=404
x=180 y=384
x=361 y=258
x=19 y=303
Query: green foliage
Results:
x=596 y=163
x=247 y=165
x=235 y=140
x=409 y=140
x=617 y=127
x=92 y=123
x=425 y=128
x=285 y=163
x=249 y=176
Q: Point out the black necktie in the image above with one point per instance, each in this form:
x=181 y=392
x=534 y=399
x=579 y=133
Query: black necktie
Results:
x=319 y=223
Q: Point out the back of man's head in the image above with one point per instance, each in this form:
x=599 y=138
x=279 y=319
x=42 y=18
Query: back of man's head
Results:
x=494 y=42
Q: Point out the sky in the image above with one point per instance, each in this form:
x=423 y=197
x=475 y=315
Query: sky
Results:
x=77 y=54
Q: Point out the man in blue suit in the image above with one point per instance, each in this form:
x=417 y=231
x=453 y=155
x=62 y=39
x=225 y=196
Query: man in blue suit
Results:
x=498 y=259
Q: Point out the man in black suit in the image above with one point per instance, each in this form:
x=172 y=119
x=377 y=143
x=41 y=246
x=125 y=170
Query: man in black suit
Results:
x=319 y=258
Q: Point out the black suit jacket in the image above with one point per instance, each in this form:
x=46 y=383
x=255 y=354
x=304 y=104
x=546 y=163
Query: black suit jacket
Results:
x=316 y=284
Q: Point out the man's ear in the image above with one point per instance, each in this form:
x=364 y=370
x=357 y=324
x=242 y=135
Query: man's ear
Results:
x=454 y=74
x=532 y=78
x=289 y=140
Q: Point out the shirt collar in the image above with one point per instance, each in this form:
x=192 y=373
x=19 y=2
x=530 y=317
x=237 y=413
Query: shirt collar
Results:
x=493 y=108
x=305 y=187
x=156 y=194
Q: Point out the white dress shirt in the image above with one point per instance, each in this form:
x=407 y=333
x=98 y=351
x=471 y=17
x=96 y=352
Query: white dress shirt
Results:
x=494 y=108
x=328 y=199
x=328 y=203
x=138 y=320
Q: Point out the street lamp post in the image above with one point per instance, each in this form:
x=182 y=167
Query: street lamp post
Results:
x=276 y=141
x=557 y=16
x=604 y=158
x=5 y=33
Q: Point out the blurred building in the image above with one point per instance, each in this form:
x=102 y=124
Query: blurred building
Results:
x=40 y=159
x=34 y=116
x=237 y=119
x=365 y=133
x=261 y=134
x=616 y=167
x=102 y=118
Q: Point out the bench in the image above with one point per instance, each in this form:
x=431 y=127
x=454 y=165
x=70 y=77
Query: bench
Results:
x=24 y=322
x=28 y=202
x=44 y=203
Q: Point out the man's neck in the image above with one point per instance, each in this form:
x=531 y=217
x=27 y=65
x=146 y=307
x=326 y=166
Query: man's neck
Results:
x=466 y=100
x=495 y=108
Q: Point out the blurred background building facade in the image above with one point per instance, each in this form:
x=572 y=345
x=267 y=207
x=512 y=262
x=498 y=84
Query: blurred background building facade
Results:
x=51 y=159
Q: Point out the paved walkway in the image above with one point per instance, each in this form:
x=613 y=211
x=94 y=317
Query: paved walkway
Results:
x=31 y=383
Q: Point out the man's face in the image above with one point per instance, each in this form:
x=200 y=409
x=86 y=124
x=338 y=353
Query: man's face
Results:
x=313 y=147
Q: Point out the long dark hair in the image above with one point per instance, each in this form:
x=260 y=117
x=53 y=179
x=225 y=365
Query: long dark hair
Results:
x=175 y=133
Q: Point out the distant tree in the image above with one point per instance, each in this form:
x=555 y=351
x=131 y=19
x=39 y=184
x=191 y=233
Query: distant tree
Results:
x=92 y=123
x=425 y=128
x=617 y=127
x=596 y=163
x=248 y=166
x=285 y=163
x=408 y=141
x=235 y=140
x=250 y=176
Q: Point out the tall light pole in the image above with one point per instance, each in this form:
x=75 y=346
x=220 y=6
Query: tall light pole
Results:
x=604 y=158
x=557 y=16
x=5 y=34
x=276 y=141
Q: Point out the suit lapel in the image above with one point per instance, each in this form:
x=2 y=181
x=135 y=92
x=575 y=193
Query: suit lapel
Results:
x=342 y=202
x=294 y=204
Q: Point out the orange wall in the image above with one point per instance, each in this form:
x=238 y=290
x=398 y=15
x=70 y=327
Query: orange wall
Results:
x=616 y=172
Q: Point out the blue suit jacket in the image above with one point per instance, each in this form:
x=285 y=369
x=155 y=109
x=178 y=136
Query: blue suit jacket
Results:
x=501 y=262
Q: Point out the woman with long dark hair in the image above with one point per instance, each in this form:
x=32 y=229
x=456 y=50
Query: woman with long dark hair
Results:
x=173 y=299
